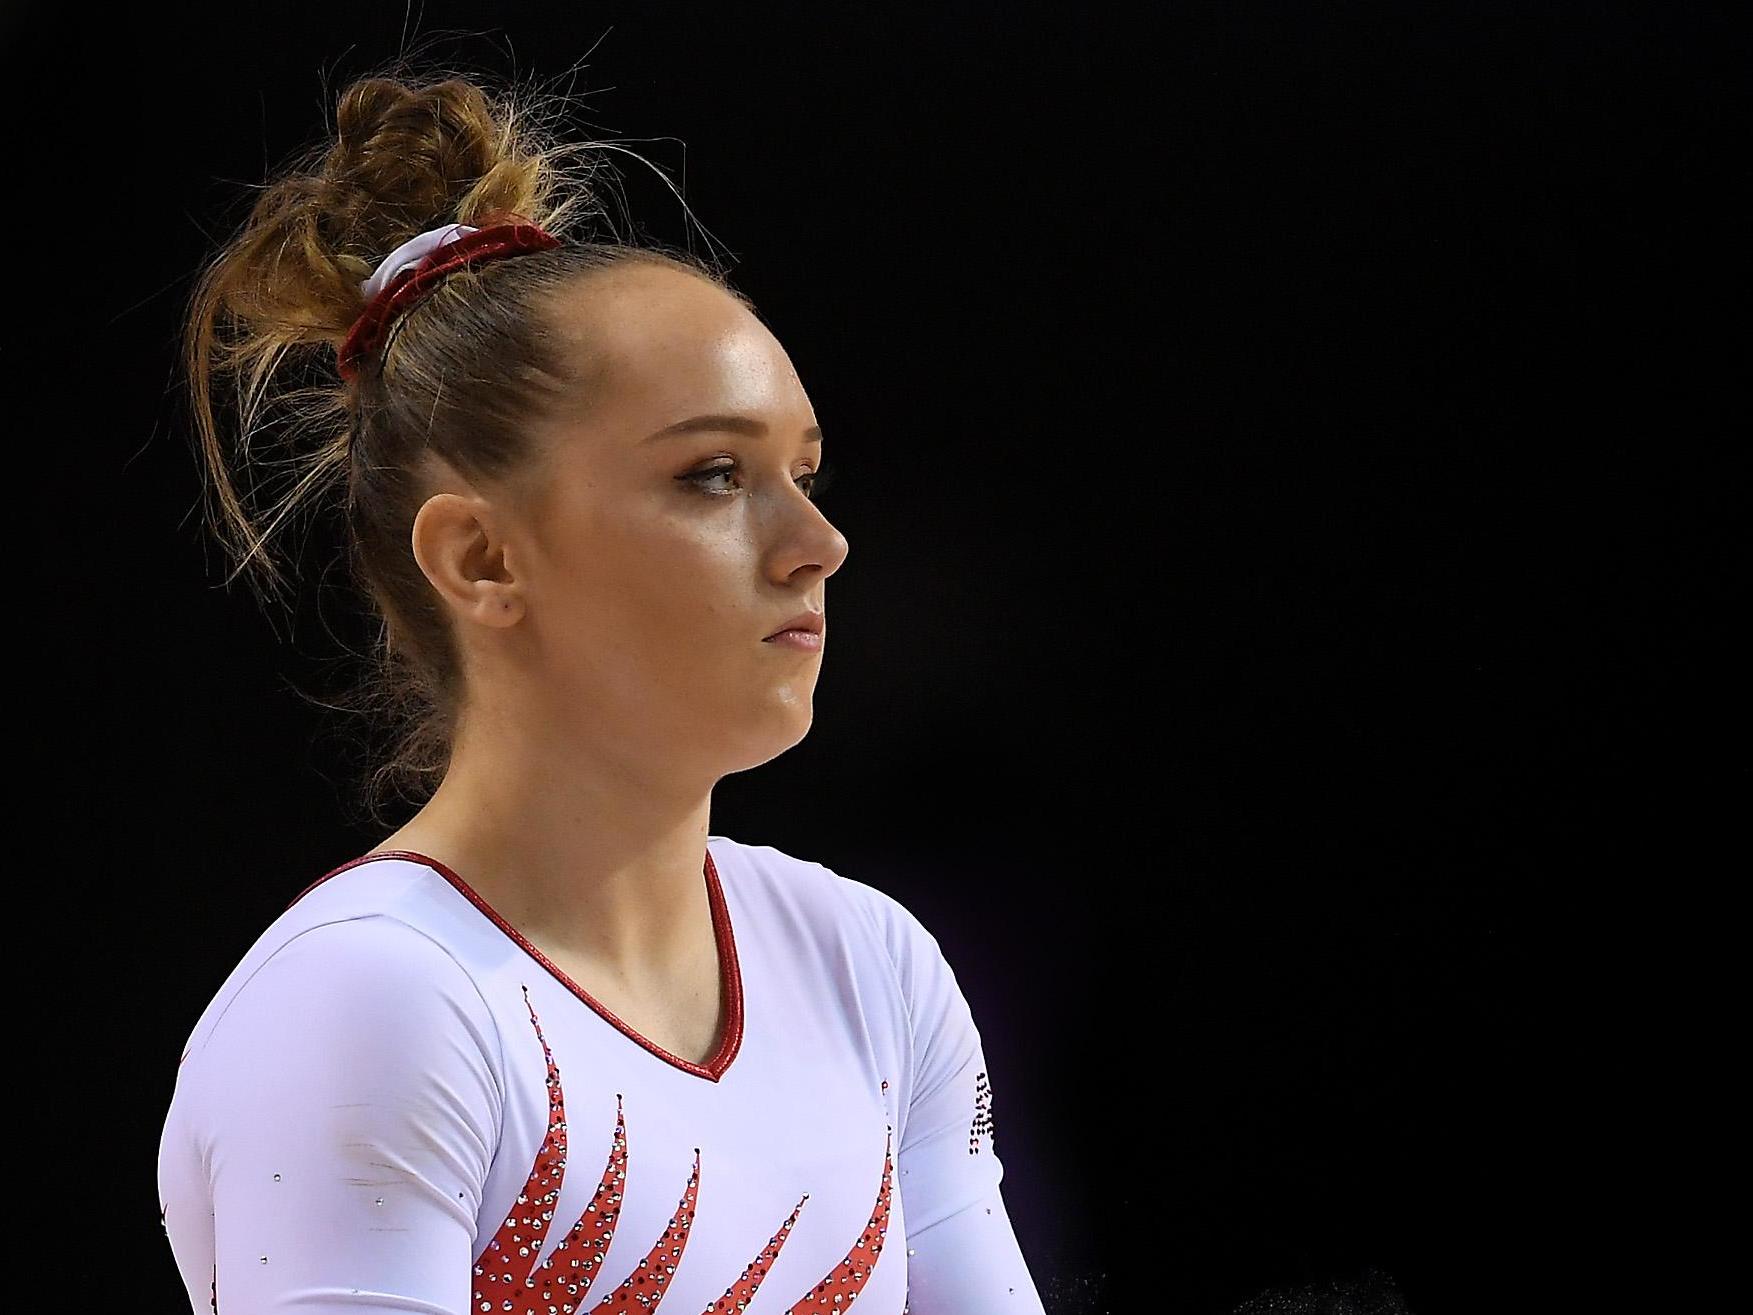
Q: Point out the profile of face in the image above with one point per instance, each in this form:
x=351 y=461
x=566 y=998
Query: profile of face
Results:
x=623 y=598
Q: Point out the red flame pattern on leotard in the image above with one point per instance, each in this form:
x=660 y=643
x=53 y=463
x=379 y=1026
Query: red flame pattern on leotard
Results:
x=558 y=1278
x=518 y=1272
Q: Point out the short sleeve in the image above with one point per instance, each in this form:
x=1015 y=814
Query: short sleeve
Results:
x=963 y=1255
x=348 y=1110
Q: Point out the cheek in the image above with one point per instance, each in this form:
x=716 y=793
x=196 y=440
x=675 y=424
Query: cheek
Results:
x=686 y=586
x=651 y=580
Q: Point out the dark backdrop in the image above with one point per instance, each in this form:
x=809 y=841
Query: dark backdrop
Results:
x=1278 y=447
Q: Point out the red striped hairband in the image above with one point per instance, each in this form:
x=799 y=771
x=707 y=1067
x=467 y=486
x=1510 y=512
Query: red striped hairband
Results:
x=413 y=269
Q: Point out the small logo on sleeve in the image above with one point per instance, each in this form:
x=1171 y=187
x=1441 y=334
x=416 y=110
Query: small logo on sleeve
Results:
x=982 y=1124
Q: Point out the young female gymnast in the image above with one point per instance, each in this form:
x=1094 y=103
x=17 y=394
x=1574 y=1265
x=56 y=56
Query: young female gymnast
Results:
x=551 y=1046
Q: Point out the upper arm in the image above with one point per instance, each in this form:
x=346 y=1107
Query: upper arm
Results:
x=963 y=1255
x=349 y=1113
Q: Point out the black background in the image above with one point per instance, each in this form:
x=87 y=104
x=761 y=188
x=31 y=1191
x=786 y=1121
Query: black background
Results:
x=1282 y=452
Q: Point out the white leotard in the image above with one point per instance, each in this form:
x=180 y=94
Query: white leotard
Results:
x=395 y=1103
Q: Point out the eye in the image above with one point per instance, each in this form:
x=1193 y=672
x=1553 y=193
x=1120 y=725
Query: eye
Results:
x=814 y=482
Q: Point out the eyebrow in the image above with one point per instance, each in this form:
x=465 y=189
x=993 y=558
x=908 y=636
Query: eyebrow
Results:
x=733 y=424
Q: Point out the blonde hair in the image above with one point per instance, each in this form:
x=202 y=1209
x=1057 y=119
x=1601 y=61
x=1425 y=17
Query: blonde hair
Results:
x=461 y=375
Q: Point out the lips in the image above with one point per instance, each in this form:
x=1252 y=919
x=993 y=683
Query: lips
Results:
x=811 y=621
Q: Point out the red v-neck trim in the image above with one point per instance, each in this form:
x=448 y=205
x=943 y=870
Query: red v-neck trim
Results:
x=731 y=971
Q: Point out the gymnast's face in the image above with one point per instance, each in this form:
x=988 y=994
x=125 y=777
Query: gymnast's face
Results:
x=640 y=571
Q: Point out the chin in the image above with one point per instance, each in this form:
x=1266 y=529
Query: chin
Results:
x=779 y=735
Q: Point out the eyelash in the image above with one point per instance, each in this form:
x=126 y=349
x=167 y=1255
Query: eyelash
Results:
x=818 y=480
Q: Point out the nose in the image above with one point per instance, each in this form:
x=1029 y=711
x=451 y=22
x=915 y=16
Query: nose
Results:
x=810 y=539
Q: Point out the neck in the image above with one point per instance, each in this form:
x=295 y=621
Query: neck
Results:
x=598 y=857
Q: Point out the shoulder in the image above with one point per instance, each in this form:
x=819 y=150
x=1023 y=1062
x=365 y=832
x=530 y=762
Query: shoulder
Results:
x=371 y=977
x=848 y=903
x=343 y=953
x=345 y=1044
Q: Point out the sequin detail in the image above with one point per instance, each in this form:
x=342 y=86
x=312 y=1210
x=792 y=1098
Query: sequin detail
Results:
x=841 y=1288
x=513 y=1275
x=982 y=1123
x=508 y=1262
x=738 y=1295
x=550 y=1287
